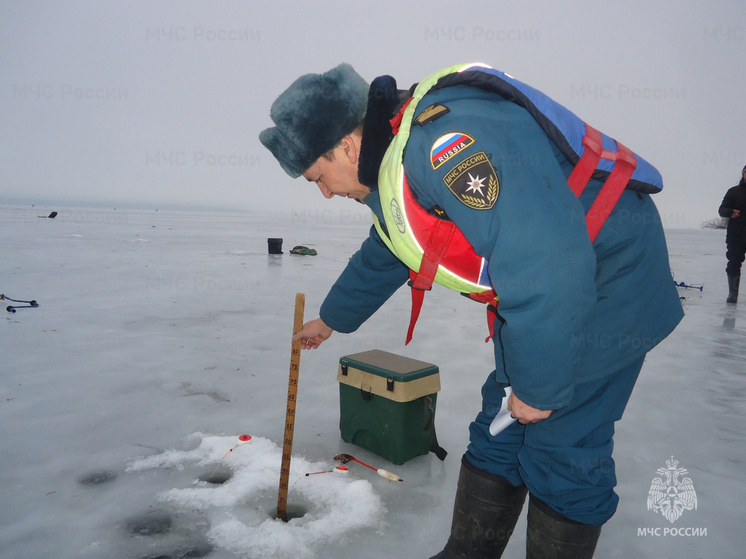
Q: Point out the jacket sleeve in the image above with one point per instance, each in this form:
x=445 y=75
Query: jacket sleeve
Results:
x=541 y=262
x=727 y=206
x=372 y=275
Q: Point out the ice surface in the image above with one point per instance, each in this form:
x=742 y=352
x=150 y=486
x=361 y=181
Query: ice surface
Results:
x=161 y=336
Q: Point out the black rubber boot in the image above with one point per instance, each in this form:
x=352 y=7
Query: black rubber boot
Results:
x=485 y=512
x=551 y=535
x=734 y=283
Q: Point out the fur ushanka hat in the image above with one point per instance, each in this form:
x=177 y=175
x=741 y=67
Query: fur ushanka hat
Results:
x=313 y=115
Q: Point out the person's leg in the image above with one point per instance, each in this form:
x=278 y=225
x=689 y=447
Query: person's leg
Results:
x=735 y=255
x=485 y=512
x=495 y=454
x=566 y=464
x=488 y=503
x=566 y=460
x=553 y=536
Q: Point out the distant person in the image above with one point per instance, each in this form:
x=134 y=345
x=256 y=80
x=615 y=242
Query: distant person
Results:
x=470 y=188
x=734 y=208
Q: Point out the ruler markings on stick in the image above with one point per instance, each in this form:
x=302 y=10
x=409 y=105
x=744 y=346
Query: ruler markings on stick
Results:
x=287 y=443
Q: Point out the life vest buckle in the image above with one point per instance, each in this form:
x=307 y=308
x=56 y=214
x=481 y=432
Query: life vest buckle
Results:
x=413 y=284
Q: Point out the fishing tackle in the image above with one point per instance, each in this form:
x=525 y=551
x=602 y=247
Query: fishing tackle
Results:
x=687 y=286
x=346 y=458
x=243 y=439
x=12 y=308
x=336 y=470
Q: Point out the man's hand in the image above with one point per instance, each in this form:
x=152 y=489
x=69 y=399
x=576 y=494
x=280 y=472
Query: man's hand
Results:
x=313 y=334
x=525 y=413
x=735 y=213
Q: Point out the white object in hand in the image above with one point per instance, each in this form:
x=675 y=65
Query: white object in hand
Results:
x=503 y=418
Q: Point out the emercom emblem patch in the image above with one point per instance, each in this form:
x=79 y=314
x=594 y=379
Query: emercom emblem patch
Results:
x=447 y=146
x=474 y=182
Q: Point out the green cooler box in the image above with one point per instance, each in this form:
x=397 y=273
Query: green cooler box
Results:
x=387 y=404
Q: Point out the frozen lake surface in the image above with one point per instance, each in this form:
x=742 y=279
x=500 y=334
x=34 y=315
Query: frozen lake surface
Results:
x=162 y=336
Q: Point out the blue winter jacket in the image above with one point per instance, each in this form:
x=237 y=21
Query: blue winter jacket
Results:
x=569 y=311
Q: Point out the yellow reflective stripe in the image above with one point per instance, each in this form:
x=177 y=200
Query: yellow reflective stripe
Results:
x=400 y=239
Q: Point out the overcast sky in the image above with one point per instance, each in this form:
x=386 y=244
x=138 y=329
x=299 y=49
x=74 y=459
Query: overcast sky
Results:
x=160 y=103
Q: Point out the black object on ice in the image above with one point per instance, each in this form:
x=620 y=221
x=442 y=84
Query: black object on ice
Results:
x=274 y=245
x=12 y=309
x=50 y=216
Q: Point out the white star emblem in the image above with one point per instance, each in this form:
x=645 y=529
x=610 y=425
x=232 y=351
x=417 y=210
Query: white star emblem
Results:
x=475 y=184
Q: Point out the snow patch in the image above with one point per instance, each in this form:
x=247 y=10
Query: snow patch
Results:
x=243 y=506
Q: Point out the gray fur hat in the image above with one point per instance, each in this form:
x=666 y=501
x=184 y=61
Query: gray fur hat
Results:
x=313 y=115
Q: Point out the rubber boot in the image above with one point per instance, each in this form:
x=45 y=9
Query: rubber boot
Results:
x=551 y=535
x=485 y=512
x=734 y=283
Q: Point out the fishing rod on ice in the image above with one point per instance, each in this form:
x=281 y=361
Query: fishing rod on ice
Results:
x=346 y=458
x=687 y=286
x=12 y=308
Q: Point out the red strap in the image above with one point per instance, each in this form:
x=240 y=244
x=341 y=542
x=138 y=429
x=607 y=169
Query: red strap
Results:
x=418 y=296
x=484 y=296
x=422 y=280
x=435 y=249
x=611 y=190
x=490 y=298
x=584 y=169
x=396 y=121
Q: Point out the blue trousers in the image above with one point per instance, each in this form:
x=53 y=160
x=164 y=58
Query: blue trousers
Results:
x=564 y=460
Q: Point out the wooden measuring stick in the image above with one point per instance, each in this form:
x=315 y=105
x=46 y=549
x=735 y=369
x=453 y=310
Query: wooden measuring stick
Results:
x=287 y=444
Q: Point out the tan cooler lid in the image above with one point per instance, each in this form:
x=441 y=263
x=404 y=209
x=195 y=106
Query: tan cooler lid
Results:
x=395 y=377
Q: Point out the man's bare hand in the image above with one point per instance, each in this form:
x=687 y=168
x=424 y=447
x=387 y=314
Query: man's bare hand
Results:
x=736 y=213
x=313 y=334
x=525 y=413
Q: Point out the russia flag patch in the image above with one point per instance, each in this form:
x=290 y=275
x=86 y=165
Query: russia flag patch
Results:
x=447 y=146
